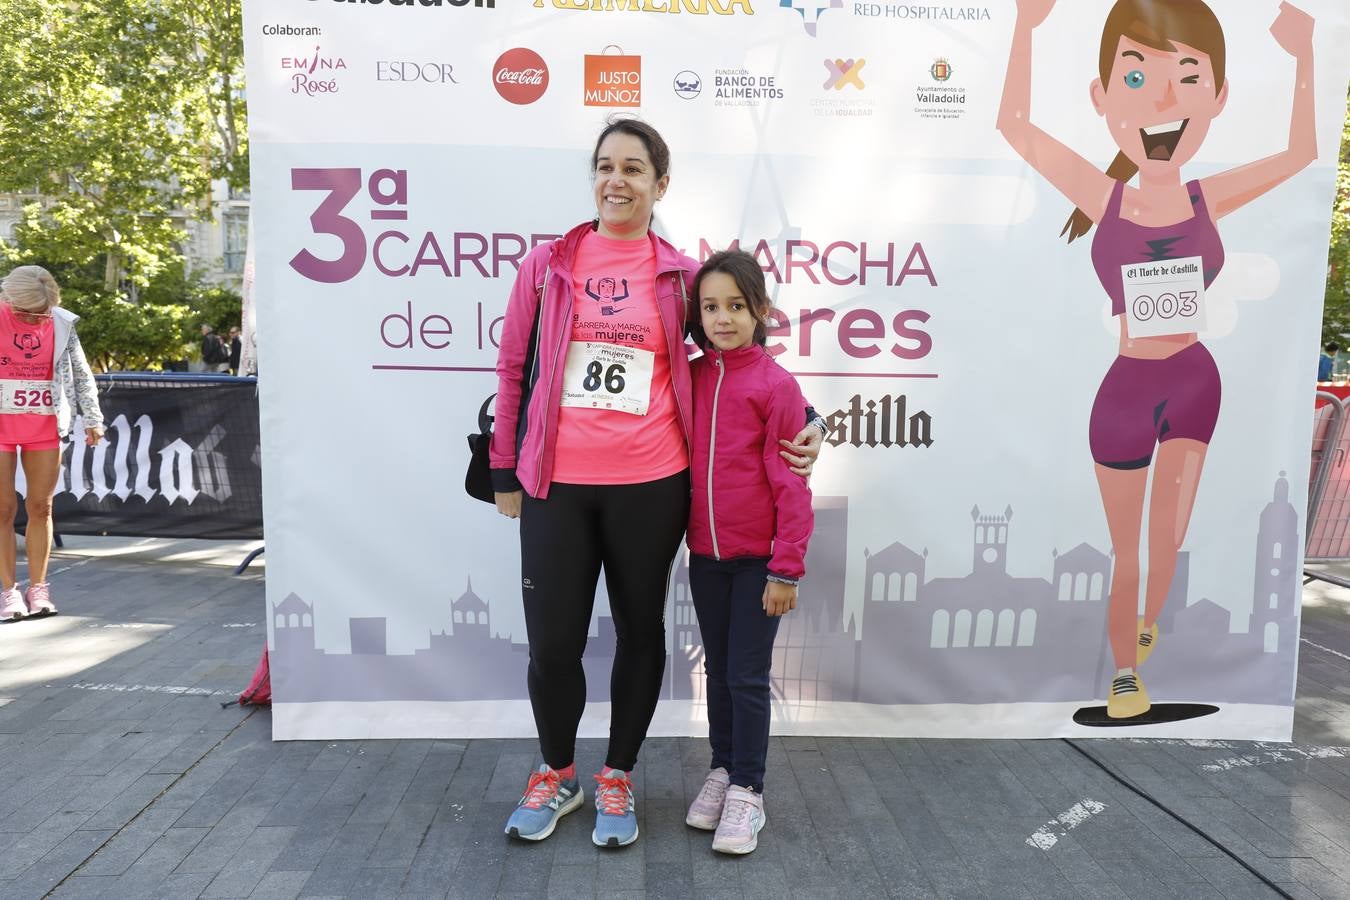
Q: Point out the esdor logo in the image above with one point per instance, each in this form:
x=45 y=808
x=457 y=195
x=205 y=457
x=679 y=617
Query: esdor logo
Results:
x=520 y=76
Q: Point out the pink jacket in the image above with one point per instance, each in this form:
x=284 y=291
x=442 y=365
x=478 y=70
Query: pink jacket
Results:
x=524 y=439
x=746 y=502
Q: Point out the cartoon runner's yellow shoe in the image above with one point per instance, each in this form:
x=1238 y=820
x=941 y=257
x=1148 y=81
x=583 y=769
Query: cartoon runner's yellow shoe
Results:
x=1147 y=641
x=1128 y=697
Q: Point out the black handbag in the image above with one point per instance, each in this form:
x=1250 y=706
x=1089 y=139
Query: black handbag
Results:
x=478 y=478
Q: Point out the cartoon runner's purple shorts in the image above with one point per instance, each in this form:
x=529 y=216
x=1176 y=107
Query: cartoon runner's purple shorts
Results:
x=1143 y=402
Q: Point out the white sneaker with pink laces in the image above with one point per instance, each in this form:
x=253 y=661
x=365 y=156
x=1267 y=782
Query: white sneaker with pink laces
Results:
x=11 y=605
x=39 y=600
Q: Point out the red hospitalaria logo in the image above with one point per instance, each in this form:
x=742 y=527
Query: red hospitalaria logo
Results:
x=520 y=76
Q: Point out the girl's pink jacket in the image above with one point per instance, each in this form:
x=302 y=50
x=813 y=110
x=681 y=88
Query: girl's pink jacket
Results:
x=524 y=439
x=746 y=502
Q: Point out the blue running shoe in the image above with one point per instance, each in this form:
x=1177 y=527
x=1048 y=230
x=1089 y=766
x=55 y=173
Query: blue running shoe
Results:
x=616 y=822
x=547 y=799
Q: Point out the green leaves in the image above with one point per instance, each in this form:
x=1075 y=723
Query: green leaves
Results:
x=1336 y=307
x=119 y=113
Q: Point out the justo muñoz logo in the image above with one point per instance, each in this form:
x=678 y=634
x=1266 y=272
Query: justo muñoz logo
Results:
x=520 y=76
x=313 y=74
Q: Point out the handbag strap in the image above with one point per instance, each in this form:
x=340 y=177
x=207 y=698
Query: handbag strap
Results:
x=485 y=420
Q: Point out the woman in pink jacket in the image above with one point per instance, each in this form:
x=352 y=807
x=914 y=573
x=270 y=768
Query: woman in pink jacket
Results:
x=748 y=529
x=590 y=450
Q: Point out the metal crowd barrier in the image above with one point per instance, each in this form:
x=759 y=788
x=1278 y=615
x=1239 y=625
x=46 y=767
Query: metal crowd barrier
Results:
x=1328 y=538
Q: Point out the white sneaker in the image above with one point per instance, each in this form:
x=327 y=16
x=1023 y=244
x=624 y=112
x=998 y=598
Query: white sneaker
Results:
x=742 y=818
x=706 y=810
x=12 y=607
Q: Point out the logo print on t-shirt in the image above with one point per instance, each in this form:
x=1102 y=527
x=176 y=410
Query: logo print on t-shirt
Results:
x=604 y=295
x=30 y=344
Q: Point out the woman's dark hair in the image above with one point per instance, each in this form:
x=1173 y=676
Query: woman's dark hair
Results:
x=749 y=278
x=657 y=151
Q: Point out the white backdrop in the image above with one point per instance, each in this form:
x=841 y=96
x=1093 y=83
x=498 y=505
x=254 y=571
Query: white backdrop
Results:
x=956 y=583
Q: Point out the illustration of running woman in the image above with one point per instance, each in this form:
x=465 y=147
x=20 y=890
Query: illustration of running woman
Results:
x=606 y=297
x=1156 y=250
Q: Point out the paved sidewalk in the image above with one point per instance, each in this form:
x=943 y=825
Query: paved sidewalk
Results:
x=126 y=779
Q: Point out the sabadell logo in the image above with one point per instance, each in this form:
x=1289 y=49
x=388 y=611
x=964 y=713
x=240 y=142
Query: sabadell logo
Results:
x=481 y=4
x=696 y=7
x=520 y=76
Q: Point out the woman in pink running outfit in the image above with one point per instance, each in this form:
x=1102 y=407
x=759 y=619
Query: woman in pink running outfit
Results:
x=1161 y=85
x=43 y=374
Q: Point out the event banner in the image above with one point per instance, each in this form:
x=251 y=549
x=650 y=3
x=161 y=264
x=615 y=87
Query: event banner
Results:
x=1064 y=448
x=180 y=458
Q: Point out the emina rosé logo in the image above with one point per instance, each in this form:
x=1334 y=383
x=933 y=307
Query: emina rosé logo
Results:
x=520 y=75
x=314 y=73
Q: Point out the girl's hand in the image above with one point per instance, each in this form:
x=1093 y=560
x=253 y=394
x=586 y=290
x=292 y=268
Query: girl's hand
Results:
x=1031 y=13
x=1293 y=30
x=802 y=450
x=509 y=504
x=93 y=435
x=779 y=598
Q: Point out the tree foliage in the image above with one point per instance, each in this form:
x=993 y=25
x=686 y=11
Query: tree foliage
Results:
x=1336 y=307
x=118 y=114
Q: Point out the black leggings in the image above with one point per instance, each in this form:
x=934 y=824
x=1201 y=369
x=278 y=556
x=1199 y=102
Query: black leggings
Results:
x=633 y=531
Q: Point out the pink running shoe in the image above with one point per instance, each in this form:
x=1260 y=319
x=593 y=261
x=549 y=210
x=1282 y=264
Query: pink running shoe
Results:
x=39 y=600
x=706 y=810
x=742 y=818
x=11 y=605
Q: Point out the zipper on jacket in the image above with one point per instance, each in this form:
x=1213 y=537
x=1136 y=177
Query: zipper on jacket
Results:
x=543 y=435
x=712 y=451
x=676 y=345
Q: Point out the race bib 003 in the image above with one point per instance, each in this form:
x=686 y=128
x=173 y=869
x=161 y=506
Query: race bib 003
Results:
x=20 y=396
x=1164 y=297
x=608 y=376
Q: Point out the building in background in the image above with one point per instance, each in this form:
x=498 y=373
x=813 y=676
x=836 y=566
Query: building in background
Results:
x=215 y=248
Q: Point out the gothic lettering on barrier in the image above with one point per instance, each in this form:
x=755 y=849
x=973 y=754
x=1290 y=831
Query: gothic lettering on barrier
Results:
x=121 y=465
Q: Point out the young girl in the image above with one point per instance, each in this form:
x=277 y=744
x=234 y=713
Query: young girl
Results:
x=44 y=378
x=748 y=528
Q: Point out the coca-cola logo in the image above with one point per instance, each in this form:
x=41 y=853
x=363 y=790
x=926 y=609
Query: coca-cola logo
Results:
x=520 y=76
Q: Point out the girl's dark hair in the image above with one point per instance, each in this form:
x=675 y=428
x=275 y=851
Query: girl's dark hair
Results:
x=749 y=278
x=657 y=151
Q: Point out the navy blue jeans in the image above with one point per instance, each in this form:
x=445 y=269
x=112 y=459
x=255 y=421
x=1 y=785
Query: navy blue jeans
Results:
x=738 y=651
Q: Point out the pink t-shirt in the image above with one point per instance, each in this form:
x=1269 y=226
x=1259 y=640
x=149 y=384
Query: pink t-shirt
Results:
x=618 y=422
x=26 y=354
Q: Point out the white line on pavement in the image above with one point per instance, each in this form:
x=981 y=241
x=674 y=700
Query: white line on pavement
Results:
x=1283 y=754
x=83 y=562
x=1049 y=834
x=150 y=688
x=1325 y=649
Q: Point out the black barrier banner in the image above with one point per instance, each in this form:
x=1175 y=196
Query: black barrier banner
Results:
x=180 y=459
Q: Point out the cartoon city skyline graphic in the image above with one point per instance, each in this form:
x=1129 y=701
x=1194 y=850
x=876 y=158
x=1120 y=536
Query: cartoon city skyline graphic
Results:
x=986 y=636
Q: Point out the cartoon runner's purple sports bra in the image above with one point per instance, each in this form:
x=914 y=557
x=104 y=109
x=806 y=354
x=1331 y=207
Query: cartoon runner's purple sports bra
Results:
x=1120 y=242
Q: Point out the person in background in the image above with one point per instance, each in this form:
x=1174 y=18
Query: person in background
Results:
x=1327 y=361
x=236 y=348
x=45 y=381
x=215 y=357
